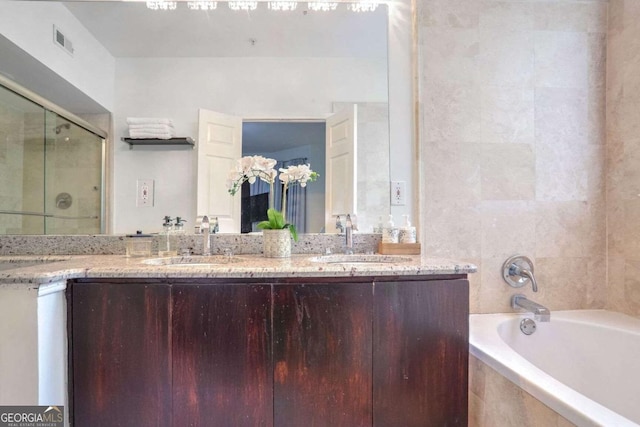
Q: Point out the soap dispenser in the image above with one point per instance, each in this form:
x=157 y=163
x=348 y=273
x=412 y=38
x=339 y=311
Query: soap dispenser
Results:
x=176 y=234
x=407 y=231
x=165 y=245
x=390 y=232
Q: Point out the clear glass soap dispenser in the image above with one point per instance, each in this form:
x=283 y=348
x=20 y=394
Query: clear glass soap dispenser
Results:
x=167 y=231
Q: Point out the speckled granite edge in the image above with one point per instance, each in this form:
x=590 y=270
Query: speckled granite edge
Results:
x=220 y=244
x=244 y=266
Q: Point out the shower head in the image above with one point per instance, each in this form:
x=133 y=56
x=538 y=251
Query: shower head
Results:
x=59 y=127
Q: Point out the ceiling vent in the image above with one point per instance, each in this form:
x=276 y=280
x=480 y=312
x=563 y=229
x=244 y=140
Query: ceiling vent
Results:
x=61 y=40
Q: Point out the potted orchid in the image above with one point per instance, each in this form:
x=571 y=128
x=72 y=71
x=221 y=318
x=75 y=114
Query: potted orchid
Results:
x=277 y=232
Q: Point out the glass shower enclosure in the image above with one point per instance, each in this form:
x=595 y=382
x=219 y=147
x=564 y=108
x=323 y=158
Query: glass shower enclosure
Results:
x=51 y=171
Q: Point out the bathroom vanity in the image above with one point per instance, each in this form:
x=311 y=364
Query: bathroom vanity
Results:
x=267 y=343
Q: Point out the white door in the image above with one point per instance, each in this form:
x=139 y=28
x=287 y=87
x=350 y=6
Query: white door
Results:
x=219 y=147
x=341 y=169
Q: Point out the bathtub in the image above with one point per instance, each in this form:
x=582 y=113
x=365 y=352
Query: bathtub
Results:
x=584 y=364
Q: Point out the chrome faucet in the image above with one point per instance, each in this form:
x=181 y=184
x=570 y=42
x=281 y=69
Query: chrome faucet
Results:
x=205 y=230
x=518 y=270
x=540 y=312
x=350 y=226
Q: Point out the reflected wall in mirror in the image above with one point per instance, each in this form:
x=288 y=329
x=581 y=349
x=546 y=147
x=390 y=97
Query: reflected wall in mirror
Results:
x=128 y=61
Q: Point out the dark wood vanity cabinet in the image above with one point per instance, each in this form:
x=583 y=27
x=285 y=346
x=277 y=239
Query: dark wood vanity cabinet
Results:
x=282 y=352
x=120 y=355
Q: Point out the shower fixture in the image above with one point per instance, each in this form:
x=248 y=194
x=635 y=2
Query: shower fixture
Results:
x=58 y=128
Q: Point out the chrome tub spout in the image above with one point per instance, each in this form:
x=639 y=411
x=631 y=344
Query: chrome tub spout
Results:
x=540 y=312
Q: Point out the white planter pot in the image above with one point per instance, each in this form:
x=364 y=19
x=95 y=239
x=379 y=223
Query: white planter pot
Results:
x=276 y=243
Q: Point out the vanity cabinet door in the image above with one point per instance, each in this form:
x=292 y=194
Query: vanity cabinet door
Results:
x=121 y=368
x=322 y=355
x=420 y=360
x=221 y=346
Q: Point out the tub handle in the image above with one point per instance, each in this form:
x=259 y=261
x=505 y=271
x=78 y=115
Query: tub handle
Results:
x=518 y=270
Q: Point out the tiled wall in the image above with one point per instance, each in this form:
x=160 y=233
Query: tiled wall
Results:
x=512 y=139
x=623 y=155
x=496 y=401
x=74 y=161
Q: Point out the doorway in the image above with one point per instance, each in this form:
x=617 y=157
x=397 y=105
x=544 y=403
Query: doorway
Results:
x=290 y=143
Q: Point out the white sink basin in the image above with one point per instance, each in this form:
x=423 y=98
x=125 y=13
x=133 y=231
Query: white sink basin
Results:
x=192 y=261
x=361 y=259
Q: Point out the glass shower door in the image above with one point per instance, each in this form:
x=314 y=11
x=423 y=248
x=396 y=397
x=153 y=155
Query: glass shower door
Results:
x=50 y=171
x=73 y=178
x=22 y=130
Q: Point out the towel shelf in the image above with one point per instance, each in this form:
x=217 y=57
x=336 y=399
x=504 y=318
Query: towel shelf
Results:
x=155 y=141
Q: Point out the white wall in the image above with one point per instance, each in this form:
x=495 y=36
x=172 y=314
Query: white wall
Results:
x=403 y=164
x=250 y=87
x=19 y=349
x=91 y=69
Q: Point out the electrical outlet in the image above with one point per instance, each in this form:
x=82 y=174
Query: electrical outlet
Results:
x=398 y=193
x=144 y=194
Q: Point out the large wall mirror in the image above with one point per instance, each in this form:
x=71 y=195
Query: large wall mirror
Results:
x=267 y=67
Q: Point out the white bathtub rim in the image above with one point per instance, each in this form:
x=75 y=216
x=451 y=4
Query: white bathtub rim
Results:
x=486 y=345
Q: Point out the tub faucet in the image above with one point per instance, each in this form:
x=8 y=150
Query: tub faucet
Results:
x=517 y=270
x=540 y=312
x=204 y=228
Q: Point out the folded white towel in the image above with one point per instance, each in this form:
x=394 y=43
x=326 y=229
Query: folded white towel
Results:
x=152 y=126
x=148 y=120
x=148 y=134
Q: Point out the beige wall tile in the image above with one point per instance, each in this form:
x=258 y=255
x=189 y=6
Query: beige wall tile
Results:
x=632 y=284
x=451 y=112
x=569 y=229
x=561 y=59
x=509 y=16
x=451 y=172
x=508 y=172
x=507 y=114
x=508 y=228
x=571 y=16
x=615 y=285
x=506 y=58
x=449 y=55
x=597 y=114
x=631 y=241
x=562 y=283
x=505 y=404
x=630 y=184
x=561 y=115
x=597 y=288
x=597 y=59
x=562 y=171
x=450 y=13
x=512 y=137
x=451 y=230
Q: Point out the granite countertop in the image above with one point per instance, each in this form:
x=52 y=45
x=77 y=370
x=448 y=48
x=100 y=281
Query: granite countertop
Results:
x=43 y=269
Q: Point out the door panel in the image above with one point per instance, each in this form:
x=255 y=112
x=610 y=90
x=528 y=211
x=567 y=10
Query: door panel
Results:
x=121 y=355
x=219 y=147
x=322 y=355
x=421 y=359
x=341 y=166
x=222 y=371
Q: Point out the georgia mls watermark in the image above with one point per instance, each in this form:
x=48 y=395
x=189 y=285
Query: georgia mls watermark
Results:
x=31 y=416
